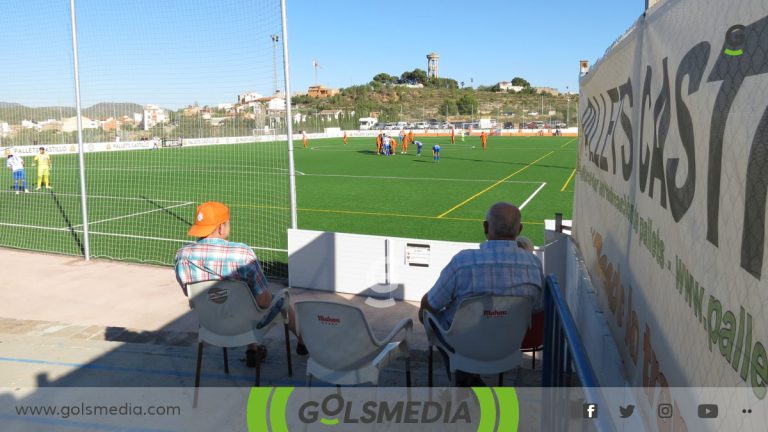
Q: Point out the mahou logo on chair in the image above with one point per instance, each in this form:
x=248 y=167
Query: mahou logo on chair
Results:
x=328 y=320
x=493 y=313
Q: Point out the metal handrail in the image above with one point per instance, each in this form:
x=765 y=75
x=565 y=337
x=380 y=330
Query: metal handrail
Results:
x=564 y=349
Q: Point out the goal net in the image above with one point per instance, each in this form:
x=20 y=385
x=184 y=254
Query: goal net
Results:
x=171 y=94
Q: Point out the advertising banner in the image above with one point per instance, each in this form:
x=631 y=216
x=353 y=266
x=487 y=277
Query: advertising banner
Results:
x=670 y=202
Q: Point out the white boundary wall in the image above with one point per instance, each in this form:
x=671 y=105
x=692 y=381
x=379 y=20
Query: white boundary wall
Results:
x=357 y=264
x=30 y=150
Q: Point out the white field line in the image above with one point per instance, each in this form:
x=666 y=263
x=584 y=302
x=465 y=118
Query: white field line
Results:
x=171 y=240
x=106 y=197
x=416 y=178
x=176 y=169
x=33 y=226
x=532 y=195
x=122 y=235
x=134 y=214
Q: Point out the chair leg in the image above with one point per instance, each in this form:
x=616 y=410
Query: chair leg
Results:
x=501 y=380
x=429 y=367
x=407 y=372
x=309 y=380
x=197 y=373
x=288 y=350
x=534 y=360
x=258 y=372
x=226 y=361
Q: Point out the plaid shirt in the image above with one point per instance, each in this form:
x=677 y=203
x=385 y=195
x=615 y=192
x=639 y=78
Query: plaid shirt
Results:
x=214 y=259
x=498 y=267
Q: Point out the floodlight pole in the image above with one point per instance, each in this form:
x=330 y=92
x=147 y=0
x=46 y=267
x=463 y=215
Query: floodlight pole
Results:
x=289 y=119
x=80 y=155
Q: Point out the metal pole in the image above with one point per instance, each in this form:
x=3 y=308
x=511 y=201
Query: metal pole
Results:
x=81 y=157
x=289 y=120
x=275 y=39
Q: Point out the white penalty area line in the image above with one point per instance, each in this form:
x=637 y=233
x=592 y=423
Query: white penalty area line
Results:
x=134 y=214
x=532 y=195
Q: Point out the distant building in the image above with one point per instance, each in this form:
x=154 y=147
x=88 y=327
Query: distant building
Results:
x=70 y=124
x=224 y=106
x=433 y=64
x=320 y=91
x=153 y=115
x=248 y=98
x=547 y=90
x=507 y=86
x=29 y=124
x=330 y=114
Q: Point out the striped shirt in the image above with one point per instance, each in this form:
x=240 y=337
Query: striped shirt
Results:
x=215 y=259
x=499 y=267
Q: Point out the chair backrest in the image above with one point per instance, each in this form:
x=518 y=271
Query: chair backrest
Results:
x=337 y=336
x=225 y=308
x=488 y=328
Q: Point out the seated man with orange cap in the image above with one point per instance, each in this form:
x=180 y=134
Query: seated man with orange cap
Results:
x=213 y=257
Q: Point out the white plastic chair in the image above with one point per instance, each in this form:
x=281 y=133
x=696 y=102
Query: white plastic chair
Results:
x=484 y=337
x=342 y=348
x=229 y=317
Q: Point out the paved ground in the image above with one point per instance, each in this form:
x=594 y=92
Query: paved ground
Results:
x=67 y=322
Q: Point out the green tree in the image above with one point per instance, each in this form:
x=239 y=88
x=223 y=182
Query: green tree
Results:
x=467 y=104
x=385 y=78
x=517 y=81
x=416 y=76
x=448 y=108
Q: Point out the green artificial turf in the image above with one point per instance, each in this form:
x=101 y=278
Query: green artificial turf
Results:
x=142 y=202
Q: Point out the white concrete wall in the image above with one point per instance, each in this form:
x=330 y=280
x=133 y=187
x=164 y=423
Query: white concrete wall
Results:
x=355 y=263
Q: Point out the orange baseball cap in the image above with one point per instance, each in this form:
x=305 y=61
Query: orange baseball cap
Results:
x=208 y=217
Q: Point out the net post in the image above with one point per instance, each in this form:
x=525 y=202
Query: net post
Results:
x=81 y=157
x=289 y=119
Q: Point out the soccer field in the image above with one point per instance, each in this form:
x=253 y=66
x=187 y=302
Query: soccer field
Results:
x=142 y=202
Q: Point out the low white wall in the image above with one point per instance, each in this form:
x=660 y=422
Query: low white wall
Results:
x=356 y=264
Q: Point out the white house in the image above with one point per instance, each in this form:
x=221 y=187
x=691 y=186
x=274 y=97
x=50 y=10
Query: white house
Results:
x=70 y=124
x=507 y=86
x=153 y=115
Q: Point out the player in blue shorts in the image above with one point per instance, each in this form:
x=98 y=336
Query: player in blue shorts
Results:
x=436 y=152
x=418 y=147
x=16 y=165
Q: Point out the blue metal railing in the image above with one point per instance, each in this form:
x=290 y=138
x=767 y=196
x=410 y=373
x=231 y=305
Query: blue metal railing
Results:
x=564 y=355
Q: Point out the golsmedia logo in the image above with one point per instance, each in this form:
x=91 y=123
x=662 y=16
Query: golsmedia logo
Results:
x=282 y=409
x=335 y=406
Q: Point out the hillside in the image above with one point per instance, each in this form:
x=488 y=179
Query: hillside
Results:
x=14 y=113
x=394 y=103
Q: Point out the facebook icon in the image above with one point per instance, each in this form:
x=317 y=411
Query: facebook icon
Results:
x=589 y=411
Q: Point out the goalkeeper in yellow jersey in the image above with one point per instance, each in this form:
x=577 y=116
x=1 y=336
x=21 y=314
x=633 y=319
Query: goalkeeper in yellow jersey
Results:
x=43 y=162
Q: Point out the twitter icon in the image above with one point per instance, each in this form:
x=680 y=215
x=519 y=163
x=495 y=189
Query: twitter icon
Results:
x=626 y=411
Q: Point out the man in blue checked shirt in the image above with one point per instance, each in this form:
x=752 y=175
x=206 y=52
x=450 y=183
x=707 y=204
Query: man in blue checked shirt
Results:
x=498 y=267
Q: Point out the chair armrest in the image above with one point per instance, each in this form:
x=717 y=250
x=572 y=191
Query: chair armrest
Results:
x=404 y=324
x=435 y=332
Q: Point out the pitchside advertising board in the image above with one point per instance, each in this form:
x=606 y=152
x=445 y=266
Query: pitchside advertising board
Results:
x=670 y=205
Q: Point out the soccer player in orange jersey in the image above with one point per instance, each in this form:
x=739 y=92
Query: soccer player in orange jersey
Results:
x=453 y=135
x=304 y=138
x=410 y=136
x=378 y=144
x=345 y=137
x=394 y=144
x=484 y=139
x=405 y=144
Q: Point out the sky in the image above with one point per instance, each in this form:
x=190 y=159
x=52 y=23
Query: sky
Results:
x=180 y=52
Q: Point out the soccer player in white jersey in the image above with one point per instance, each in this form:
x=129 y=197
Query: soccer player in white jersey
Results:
x=16 y=165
